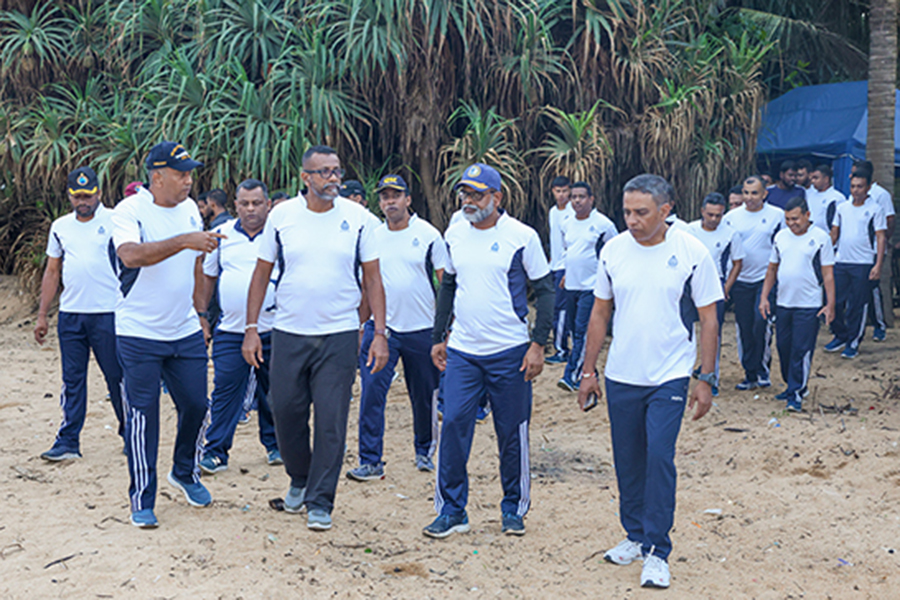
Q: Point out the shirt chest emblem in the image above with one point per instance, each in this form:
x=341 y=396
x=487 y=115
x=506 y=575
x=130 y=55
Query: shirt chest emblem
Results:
x=345 y=226
x=495 y=247
x=592 y=229
x=100 y=230
x=193 y=222
x=812 y=243
x=718 y=244
x=764 y=221
x=415 y=242
x=673 y=262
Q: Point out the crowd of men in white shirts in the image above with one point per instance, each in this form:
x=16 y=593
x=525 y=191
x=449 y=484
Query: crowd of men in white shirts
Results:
x=317 y=288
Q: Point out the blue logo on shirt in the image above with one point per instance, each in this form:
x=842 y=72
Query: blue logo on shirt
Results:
x=495 y=247
x=764 y=220
x=591 y=229
x=673 y=262
x=193 y=222
x=345 y=226
x=415 y=241
x=101 y=231
x=812 y=243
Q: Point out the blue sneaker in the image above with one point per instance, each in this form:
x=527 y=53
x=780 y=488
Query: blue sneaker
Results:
x=274 y=457
x=835 y=345
x=879 y=334
x=293 y=502
x=794 y=405
x=366 y=472
x=783 y=396
x=565 y=384
x=423 y=463
x=483 y=413
x=560 y=358
x=195 y=493
x=244 y=419
x=318 y=519
x=513 y=524
x=444 y=525
x=56 y=454
x=746 y=385
x=145 y=519
x=849 y=352
x=212 y=464
x=763 y=382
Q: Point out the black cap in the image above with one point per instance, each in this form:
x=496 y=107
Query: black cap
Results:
x=351 y=188
x=392 y=182
x=172 y=155
x=83 y=180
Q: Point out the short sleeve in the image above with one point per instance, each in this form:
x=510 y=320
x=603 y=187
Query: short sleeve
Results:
x=449 y=268
x=603 y=285
x=268 y=243
x=611 y=232
x=826 y=258
x=705 y=285
x=737 y=246
x=211 y=262
x=54 y=247
x=880 y=221
x=533 y=258
x=886 y=203
x=775 y=255
x=368 y=248
x=439 y=258
x=126 y=228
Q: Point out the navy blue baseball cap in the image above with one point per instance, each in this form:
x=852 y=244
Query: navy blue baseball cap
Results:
x=392 y=182
x=172 y=155
x=481 y=177
x=352 y=187
x=83 y=180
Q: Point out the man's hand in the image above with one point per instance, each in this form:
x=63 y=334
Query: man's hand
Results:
x=588 y=386
x=533 y=363
x=875 y=273
x=562 y=282
x=40 y=329
x=827 y=312
x=378 y=353
x=764 y=308
x=252 y=348
x=207 y=330
x=702 y=397
x=439 y=356
x=203 y=241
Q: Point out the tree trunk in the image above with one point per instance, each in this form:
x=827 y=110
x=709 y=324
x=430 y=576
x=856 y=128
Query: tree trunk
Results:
x=882 y=101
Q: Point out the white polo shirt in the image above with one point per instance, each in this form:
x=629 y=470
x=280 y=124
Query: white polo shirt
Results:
x=557 y=219
x=757 y=230
x=822 y=206
x=856 y=243
x=724 y=245
x=492 y=267
x=89 y=282
x=652 y=342
x=408 y=259
x=156 y=302
x=233 y=262
x=318 y=254
x=582 y=241
x=800 y=259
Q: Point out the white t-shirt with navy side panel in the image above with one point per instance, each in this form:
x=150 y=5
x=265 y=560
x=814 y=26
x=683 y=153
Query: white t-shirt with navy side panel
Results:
x=89 y=281
x=318 y=289
x=652 y=342
x=582 y=241
x=822 y=206
x=558 y=217
x=857 y=243
x=757 y=231
x=724 y=245
x=233 y=262
x=408 y=259
x=800 y=259
x=492 y=268
x=156 y=302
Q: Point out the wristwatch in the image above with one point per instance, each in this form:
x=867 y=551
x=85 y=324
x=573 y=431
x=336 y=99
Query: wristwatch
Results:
x=203 y=315
x=709 y=378
x=383 y=332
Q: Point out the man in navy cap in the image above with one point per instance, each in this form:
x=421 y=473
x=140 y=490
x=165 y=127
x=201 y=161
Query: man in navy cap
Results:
x=354 y=190
x=77 y=254
x=159 y=243
x=492 y=256
x=411 y=252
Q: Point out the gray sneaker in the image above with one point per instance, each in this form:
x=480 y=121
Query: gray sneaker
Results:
x=366 y=472
x=293 y=501
x=423 y=463
x=318 y=520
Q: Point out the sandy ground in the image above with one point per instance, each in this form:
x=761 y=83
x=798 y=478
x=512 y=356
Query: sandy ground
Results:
x=770 y=505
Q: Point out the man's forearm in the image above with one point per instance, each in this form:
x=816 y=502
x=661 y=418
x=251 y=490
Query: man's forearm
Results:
x=257 y=293
x=375 y=293
x=879 y=257
x=136 y=255
x=828 y=280
x=596 y=333
x=733 y=275
x=709 y=338
x=205 y=287
x=49 y=287
x=769 y=281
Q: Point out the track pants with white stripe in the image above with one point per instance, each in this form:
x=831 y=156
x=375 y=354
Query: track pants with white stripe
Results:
x=853 y=291
x=236 y=384
x=796 y=330
x=182 y=366
x=79 y=333
x=753 y=331
x=422 y=379
x=578 y=314
x=561 y=327
x=468 y=377
x=644 y=422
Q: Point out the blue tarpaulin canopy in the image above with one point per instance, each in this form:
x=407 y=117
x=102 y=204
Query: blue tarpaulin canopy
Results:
x=829 y=121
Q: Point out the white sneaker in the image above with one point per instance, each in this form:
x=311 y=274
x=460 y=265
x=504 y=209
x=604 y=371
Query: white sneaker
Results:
x=655 y=573
x=624 y=554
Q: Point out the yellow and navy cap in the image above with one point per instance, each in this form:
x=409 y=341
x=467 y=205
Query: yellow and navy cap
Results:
x=172 y=155
x=481 y=177
x=392 y=182
x=83 y=180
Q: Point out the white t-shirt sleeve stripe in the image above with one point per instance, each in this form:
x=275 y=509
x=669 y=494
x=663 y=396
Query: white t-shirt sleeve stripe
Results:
x=126 y=228
x=54 y=247
x=268 y=246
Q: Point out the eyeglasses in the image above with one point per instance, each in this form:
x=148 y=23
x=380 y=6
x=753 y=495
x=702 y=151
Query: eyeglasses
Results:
x=327 y=173
x=472 y=196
